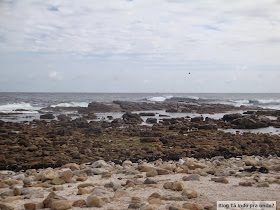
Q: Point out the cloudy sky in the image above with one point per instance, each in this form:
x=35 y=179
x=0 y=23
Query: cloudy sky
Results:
x=140 y=45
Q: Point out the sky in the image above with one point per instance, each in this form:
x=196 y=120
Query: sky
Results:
x=171 y=46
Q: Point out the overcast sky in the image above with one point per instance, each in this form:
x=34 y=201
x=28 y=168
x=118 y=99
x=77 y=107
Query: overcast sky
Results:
x=140 y=45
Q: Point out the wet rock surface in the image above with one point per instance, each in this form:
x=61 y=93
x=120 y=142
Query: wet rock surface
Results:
x=44 y=143
x=123 y=163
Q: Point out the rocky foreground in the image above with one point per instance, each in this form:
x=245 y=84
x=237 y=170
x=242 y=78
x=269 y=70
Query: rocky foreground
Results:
x=185 y=184
x=52 y=143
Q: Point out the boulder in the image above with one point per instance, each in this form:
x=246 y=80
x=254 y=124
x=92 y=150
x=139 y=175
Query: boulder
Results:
x=151 y=120
x=191 y=177
x=61 y=205
x=131 y=118
x=190 y=193
x=175 y=186
x=93 y=201
x=51 y=198
x=47 y=116
x=231 y=117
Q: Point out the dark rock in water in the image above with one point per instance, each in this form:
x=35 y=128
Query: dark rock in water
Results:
x=151 y=120
x=21 y=110
x=110 y=117
x=63 y=117
x=147 y=114
x=249 y=112
x=47 y=116
x=97 y=107
x=131 y=118
x=139 y=106
x=197 y=119
x=117 y=121
x=231 y=117
x=251 y=122
x=172 y=110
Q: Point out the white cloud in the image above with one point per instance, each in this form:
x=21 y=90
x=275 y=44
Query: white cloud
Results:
x=55 y=75
x=173 y=31
x=158 y=37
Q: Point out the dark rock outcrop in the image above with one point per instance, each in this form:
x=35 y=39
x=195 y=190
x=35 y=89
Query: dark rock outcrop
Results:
x=47 y=116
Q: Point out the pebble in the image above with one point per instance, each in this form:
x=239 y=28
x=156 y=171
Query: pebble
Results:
x=193 y=206
x=190 y=193
x=66 y=175
x=263 y=184
x=58 y=181
x=119 y=193
x=156 y=201
x=61 y=205
x=192 y=177
x=220 y=180
x=150 y=181
x=5 y=207
x=79 y=203
x=82 y=191
x=152 y=173
x=176 y=186
x=93 y=201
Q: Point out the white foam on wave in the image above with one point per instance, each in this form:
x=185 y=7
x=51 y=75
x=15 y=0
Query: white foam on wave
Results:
x=71 y=104
x=11 y=108
x=268 y=101
x=193 y=97
x=239 y=102
x=159 y=98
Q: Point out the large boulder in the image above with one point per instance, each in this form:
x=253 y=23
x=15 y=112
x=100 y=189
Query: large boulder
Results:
x=251 y=122
x=231 y=117
x=131 y=118
x=47 y=116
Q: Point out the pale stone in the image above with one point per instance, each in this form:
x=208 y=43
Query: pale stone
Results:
x=93 y=201
x=220 y=180
x=61 y=205
x=190 y=193
x=151 y=173
x=156 y=201
x=193 y=206
x=191 y=177
x=82 y=191
x=120 y=193
x=79 y=203
x=66 y=175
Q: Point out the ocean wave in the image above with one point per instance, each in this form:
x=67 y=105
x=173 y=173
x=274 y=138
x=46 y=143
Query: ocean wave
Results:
x=159 y=98
x=265 y=101
x=173 y=98
x=71 y=104
x=24 y=108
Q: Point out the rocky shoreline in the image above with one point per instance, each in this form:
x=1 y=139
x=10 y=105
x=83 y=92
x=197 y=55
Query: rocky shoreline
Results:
x=59 y=152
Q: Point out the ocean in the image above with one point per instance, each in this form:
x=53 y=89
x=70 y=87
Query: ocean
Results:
x=32 y=102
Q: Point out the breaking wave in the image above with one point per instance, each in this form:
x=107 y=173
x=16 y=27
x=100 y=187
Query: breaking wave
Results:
x=18 y=108
x=71 y=104
x=173 y=98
